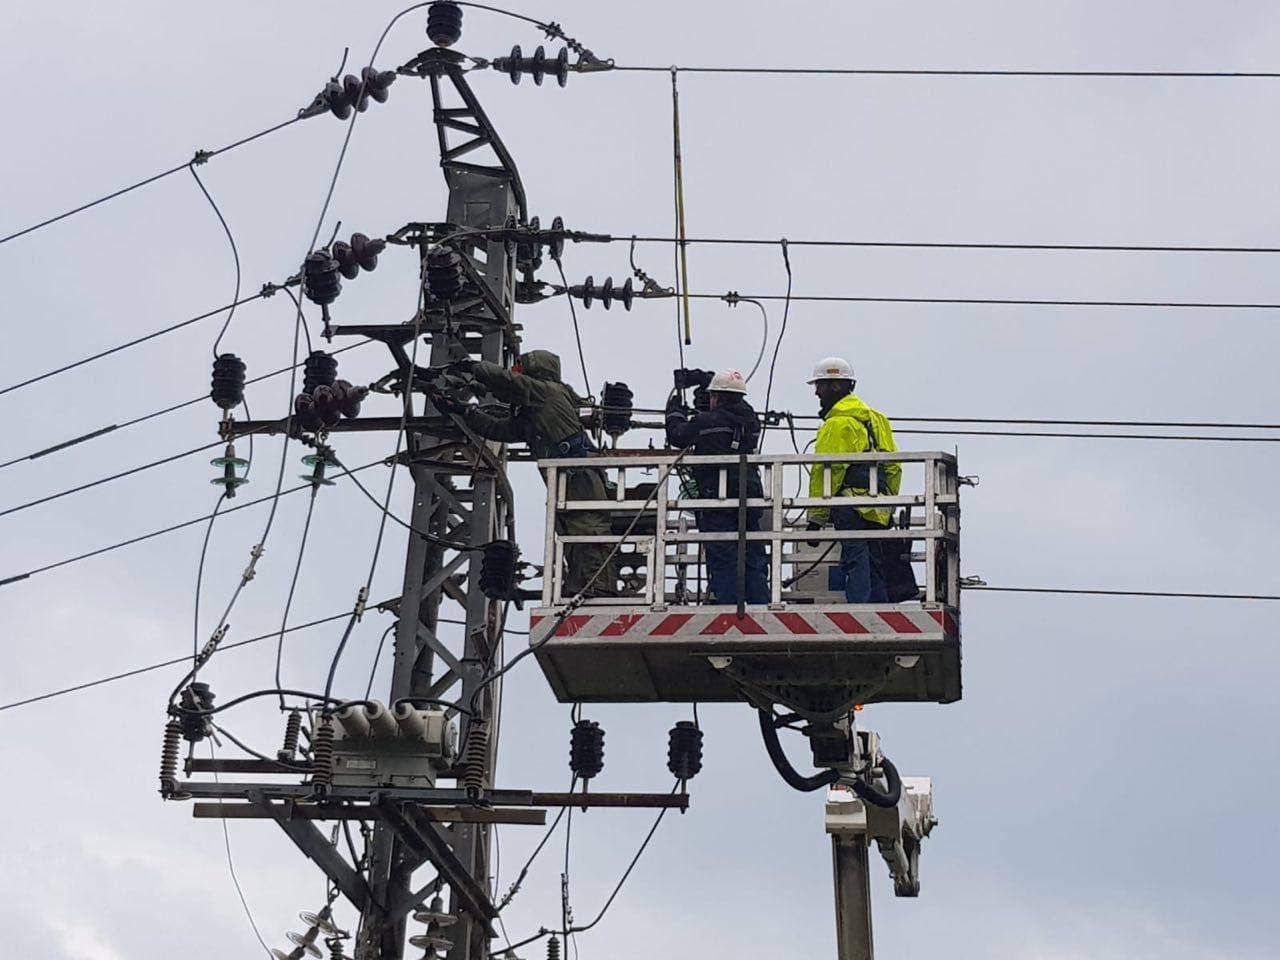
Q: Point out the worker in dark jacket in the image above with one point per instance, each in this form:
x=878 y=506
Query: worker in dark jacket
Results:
x=730 y=426
x=544 y=415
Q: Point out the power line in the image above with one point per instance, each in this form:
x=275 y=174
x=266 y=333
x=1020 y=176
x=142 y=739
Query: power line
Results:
x=992 y=301
x=115 y=476
x=958 y=245
x=200 y=157
x=1072 y=591
x=133 y=343
x=1064 y=435
x=979 y=72
x=164 y=530
x=111 y=428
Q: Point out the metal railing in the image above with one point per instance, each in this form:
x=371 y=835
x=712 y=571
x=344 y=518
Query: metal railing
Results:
x=661 y=558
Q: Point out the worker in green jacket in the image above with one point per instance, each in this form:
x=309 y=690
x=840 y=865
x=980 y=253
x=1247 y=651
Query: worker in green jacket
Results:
x=544 y=415
x=850 y=426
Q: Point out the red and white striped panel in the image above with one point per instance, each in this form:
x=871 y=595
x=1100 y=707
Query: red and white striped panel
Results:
x=808 y=621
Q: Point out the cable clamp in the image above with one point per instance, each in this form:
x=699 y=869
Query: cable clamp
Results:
x=971 y=582
x=254 y=555
x=211 y=645
x=362 y=598
x=967 y=481
x=201 y=157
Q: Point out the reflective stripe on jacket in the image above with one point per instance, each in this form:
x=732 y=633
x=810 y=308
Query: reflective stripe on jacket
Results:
x=851 y=426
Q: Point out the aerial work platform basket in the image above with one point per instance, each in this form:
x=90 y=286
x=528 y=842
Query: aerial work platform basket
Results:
x=663 y=639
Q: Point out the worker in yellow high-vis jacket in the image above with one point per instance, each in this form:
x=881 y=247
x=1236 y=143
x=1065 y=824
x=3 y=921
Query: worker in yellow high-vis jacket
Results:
x=850 y=426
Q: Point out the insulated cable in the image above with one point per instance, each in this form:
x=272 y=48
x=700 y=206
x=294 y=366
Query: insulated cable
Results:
x=577 y=334
x=617 y=888
x=235 y=255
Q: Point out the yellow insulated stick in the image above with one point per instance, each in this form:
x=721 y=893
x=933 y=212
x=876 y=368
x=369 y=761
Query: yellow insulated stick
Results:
x=680 y=229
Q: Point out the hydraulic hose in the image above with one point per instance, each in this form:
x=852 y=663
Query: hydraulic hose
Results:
x=789 y=773
x=871 y=795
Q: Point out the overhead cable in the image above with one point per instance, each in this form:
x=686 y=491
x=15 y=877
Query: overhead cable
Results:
x=111 y=428
x=199 y=157
x=992 y=301
x=164 y=530
x=959 y=245
x=151 y=667
x=1072 y=591
x=976 y=72
x=115 y=476
x=265 y=292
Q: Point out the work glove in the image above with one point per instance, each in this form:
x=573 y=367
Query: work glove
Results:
x=466 y=365
x=813 y=525
x=447 y=405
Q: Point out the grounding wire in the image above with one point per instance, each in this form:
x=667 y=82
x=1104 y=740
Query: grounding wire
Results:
x=200 y=157
x=235 y=255
x=231 y=866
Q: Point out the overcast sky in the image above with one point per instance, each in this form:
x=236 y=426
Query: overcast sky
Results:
x=1107 y=785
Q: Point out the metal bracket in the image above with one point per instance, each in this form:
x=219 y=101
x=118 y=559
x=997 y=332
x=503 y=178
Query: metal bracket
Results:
x=314 y=845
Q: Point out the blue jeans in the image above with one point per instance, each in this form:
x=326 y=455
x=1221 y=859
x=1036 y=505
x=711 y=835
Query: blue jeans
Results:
x=860 y=559
x=722 y=558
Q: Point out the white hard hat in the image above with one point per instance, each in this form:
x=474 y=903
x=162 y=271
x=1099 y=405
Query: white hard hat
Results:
x=728 y=381
x=832 y=368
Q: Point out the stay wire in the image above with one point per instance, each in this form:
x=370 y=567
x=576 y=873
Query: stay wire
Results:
x=199 y=157
x=235 y=255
